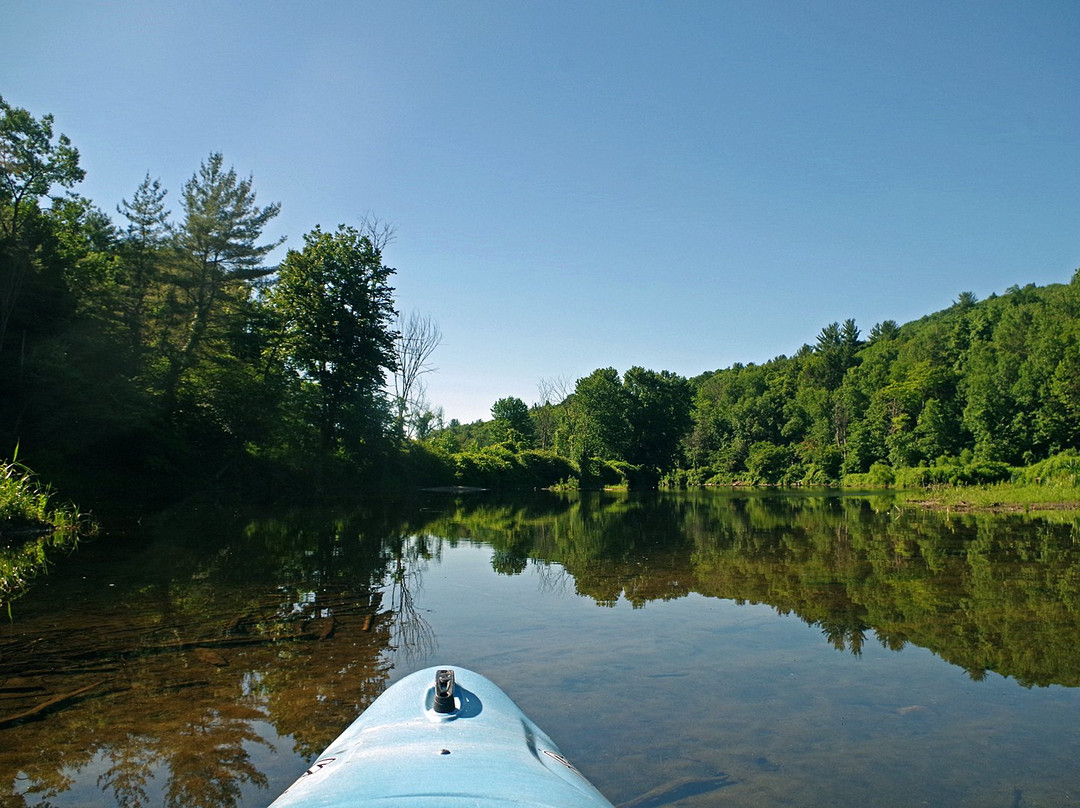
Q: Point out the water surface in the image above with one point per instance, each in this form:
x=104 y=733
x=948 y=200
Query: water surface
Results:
x=691 y=649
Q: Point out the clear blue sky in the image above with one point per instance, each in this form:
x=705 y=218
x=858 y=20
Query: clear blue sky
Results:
x=676 y=185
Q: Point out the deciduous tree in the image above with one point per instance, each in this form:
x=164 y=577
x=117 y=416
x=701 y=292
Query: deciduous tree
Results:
x=31 y=163
x=512 y=421
x=602 y=405
x=335 y=308
x=546 y=411
x=415 y=339
x=659 y=416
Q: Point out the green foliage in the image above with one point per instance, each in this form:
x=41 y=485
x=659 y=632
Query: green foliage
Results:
x=512 y=422
x=640 y=419
x=945 y=471
x=996 y=378
x=600 y=426
x=219 y=257
x=22 y=501
x=546 y=469
x=164 y=350
x=659 y=417
x=32 y=162
x=953 y=471
x=334 y=307
x=417 y=465
x=169 y=349
x=145 y=250
x=32 y=529
x=768 y=463
x=491 y=467
x=1061 y=470
x=881 y=475
x=631 y=476
x=500 y=467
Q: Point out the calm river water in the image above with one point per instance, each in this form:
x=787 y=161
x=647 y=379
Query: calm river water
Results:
x=684 y=649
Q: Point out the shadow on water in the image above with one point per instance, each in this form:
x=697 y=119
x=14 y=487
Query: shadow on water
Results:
x=169 y=665
x=671 y=793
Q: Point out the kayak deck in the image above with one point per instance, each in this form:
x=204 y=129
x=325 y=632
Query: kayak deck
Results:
x=443 y=736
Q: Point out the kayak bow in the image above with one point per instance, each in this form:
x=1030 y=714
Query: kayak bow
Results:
x=442 y=736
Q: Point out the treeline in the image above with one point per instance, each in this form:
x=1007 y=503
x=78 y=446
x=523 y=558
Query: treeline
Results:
x=612 y=430
x=961 y=396
x=160 y=352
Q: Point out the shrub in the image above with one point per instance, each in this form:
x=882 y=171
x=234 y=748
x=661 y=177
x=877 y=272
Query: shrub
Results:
x=768 y=463
x=950 y=471
x=1060 y=470
x=485 y=468
x=636 y=478
x=500 y=467
x=881 y=475
x=607 y=473
x=686 y=478
x=546 y=469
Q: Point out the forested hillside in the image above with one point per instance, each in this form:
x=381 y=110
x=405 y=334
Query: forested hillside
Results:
x=996 y=381
x=958 y=396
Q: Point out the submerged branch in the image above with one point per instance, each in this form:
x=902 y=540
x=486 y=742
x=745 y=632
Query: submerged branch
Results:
x=47 y=705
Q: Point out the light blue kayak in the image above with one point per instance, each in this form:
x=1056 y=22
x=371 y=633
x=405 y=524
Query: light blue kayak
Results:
x=446 y=737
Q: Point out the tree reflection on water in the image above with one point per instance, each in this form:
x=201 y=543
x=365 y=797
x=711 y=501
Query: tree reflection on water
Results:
x=984 y=591
x=149 y=667
x=159 y=677
x=411 y=633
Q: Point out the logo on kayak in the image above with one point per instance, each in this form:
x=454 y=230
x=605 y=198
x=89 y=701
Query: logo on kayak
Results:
x=562 y=760
x=318 y=764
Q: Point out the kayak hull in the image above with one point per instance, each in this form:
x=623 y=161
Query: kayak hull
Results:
x=425 y=743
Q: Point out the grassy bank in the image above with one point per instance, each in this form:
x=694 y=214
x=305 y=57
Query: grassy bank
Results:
x=1004 y=497
x=1053 y=484
x=33 y=529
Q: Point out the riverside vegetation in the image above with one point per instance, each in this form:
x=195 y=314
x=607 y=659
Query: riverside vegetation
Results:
x=32 y=529
x=159 y=356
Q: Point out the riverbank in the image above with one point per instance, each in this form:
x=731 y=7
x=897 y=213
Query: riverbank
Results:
x=999 y=498
x=33 y=528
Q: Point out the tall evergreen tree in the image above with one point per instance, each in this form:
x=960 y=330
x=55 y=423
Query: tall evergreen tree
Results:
x=220 y=257
x=146 y=250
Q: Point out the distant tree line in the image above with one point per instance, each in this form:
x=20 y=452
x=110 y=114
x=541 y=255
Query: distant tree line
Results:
x=966 y=391
x=959 y=396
